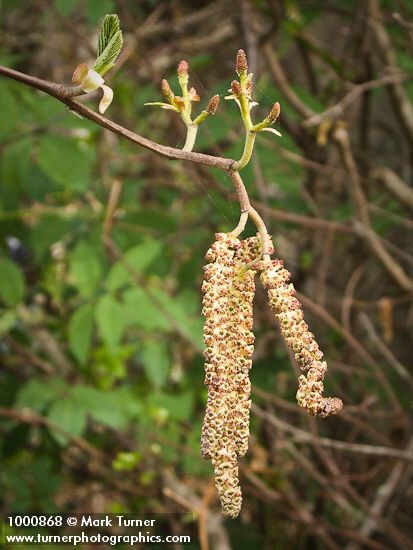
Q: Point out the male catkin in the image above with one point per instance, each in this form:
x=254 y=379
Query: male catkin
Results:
x=227 y=306
x=287 y=309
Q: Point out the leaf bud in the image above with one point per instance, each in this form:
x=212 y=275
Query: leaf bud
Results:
x=193 y=95
x=274 y=113
x=236 y=88
x=213 y=105
x=183 y=68
x=241 y=65
x=166 y=91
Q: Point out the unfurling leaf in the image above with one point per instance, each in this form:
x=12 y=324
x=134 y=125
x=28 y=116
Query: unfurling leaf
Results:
x=109 y=28
x=109 y=44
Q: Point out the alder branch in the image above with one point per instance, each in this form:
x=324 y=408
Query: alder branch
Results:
x=66 y=94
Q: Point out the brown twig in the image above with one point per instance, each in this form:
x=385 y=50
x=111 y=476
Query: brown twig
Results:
x=114 y=196
x=355 y=345
x=302 y=436
x=385 y=351
x=382 y=498
x=399 y=96
x=362 y=212
x=282 y=82
x=337 y=110
x=394 y=184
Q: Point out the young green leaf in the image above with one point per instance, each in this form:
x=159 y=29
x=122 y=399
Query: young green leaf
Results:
x=138 y=258
x=109 y=28
x=109 y=44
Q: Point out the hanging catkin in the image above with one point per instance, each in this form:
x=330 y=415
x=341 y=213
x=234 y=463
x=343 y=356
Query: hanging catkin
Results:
x=282 y=300
x=227 y=306
x=287 y=309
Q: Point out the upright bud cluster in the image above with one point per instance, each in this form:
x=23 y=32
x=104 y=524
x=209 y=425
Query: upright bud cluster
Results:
x=241 y=92
x=182 y=104
x=227 y=306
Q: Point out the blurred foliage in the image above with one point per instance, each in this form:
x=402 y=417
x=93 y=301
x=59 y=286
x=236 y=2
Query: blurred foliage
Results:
x=106 y=348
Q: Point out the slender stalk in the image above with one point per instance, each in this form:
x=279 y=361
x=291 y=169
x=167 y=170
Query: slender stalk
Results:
x=241 y=224
x=245 y=109
x=191 y=132
x=248 y=149
x=243 y=198
x=262 y=229
x=245 y=112
x=261 y=125
x=186 y=117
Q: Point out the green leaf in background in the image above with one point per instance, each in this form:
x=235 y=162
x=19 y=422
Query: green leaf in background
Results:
x=153 y=219
x=80 y=332
x=109 y=44
x=37 y=393
x=31 y=481
x=138 y=259
x=126 y=461
x=14 y=169
x=47 y=230
x=142 y=311
x=156 y=360
x=152 y=308
x=69 y=417
x=85 y=269
x=108 y=365
x=12 y=286
x=95 y=9
x=178 y=406
x=66 y=161
x=65 y=7
x=176 y=314
x=114 y=408
x=8 y=108
x=7 y=320
x=111 y=320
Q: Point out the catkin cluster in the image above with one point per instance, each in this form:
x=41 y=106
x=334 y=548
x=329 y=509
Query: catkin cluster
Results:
x=227 y=306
